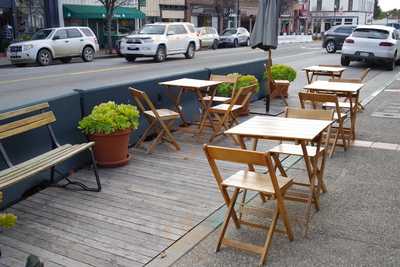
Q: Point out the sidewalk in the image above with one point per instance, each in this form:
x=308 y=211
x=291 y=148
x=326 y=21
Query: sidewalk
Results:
x=358 y=224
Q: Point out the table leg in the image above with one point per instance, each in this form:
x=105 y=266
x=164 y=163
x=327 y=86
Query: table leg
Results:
x=353 y=114
x=205 y=114
x=312 y=175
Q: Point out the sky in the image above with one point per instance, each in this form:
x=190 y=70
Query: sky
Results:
x=389 y=4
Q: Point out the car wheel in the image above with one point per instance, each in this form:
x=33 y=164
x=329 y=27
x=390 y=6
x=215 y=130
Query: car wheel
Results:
x=190 y=51
x=161 y=54
x=44 y=57
x=130 y=58
x=248 y=42
x=215 y=44
x=345 y=61
x=331 y=47
x=235 y=43
x=398 y=60
x=66 y=59
x=88 y=54
x=391 y=64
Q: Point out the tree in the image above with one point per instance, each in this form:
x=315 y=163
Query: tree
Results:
x=378 y=14
x=110 y=7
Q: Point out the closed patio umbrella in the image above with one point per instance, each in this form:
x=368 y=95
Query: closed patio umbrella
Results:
x=265 y=32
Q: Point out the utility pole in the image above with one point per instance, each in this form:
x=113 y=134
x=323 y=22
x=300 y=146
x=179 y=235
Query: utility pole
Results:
x=237 y=14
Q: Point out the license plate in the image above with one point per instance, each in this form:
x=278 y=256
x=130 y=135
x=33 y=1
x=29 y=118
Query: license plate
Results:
x=133 y=48
x=13 y=54
x=364 y=54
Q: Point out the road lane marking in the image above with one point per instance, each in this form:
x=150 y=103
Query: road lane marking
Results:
x=119 y=68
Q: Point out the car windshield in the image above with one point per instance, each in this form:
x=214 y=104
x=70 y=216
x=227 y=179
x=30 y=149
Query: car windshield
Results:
x=42 y=34
x=153 y=29
x=371 y=33
x=229 y=32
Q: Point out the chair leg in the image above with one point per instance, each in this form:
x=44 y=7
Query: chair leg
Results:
x=228 y=215
x=168 y=133
x=269 y=236
x=156 y=141
x=145 y=134
x=95 y=171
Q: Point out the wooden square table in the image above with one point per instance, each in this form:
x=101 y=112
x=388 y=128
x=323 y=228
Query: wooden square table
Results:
x=333 y=72
x=349 y=90
x=301 y=131
x=197 y=86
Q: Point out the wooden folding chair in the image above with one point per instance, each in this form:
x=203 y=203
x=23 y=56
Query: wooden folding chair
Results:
x=161 y=120
x=261 y=182
x=346 y=104
x=278 y=88
x=226 y=114
x=316 y=101
x=316 y=156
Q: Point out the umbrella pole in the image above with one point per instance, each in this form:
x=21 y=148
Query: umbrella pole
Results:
x=269 y=73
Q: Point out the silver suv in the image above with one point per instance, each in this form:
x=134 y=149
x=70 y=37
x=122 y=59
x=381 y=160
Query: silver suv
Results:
x=62 y=43
x=160 y=40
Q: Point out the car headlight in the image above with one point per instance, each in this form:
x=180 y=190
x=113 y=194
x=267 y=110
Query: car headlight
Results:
x=148 y=40
x=27 y=47
x=123 y=40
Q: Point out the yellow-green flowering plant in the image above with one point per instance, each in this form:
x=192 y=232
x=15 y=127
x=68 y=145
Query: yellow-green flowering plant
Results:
x=108 y=118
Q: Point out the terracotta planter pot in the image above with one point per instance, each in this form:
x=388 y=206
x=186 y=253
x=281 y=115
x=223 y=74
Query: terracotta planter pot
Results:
x=111 y=150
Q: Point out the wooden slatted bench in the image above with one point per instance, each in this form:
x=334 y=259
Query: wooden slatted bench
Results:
x=43 y=117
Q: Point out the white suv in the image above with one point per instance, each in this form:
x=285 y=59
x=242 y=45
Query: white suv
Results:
x=62 y=43
x=160 y=40
x=372 y=43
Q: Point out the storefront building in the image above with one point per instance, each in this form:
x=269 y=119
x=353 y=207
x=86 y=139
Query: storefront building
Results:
x=328 y=13
x=125 y=20
x=211 y=13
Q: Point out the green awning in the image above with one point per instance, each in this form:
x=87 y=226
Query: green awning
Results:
x=99 y=12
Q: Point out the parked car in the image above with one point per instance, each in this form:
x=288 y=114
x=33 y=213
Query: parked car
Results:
x=333 y=38
x=372 y=43
x=208 y=37
x=394 y=25
x=235 y=37
x=160 y=40
x=62 y=43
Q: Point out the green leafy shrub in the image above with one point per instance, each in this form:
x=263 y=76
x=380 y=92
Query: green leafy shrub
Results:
x=7 y=220
x=225 y=89
x=108 y=118
x=247 y=80
x=282 y=72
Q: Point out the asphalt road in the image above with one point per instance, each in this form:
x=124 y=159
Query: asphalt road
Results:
x=19 y=86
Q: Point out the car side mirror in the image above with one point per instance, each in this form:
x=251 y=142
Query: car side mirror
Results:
x=56 y=38
x=170 y=33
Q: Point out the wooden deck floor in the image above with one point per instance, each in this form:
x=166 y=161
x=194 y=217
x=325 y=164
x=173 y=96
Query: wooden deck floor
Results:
x=143 y=208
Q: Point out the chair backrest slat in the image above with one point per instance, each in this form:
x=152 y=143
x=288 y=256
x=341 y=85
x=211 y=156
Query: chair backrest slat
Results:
x=312 y=114
x=232 y=79
x=236 y=155
x=22 y=111
x=26 y=124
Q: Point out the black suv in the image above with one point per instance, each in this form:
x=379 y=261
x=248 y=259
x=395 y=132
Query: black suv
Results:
x=334 y=37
